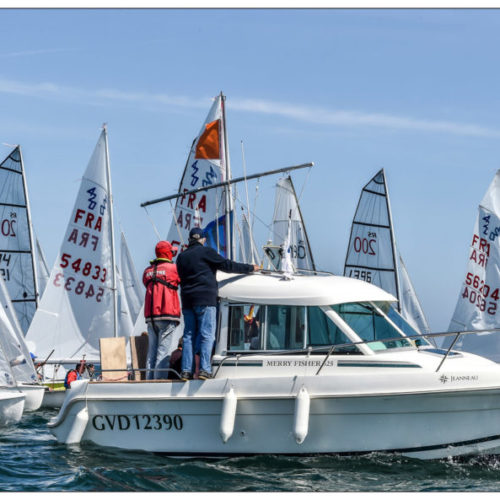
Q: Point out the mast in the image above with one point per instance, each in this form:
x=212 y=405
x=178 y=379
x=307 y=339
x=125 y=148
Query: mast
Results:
x=30 y=227
x=393 y=242
x=227 y=188
x=303 y=223
x=113 y=264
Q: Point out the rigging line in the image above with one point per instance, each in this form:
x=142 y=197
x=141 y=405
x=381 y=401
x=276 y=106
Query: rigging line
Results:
x=179 y=232
x=304 y=184
x=152 y=223
x=255 y=216
x=245 y=176
x=257 y=190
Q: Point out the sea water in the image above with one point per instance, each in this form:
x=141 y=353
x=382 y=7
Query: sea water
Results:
x=32 y=460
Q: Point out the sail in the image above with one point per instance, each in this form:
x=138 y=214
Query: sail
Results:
x=207 y=164
x=7 y=357
x=411 y=309
x=287 y=213
x=42 y=269
x=125 y=319
x=248 y=252
x=78 y=305
x=371 y=251
x=477 y=305
x=12 y=340
x=133 y=288
x=16 y=248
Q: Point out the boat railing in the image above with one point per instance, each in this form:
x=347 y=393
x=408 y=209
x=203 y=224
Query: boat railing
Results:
x=332 y=348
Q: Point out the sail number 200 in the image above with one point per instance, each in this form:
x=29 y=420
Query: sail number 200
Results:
x=364 y=245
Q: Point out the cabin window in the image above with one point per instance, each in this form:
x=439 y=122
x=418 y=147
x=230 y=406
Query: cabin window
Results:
x=371 y=326
x=245 y=326
x=286 y=327
x=282 y=328
x=323 y=331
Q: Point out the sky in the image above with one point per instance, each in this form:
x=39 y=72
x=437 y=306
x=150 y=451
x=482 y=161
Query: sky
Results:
x=413 y=91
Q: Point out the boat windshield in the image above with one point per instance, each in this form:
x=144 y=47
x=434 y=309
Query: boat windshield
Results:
x=371 y=326
x=281 y=327
x=403 y=325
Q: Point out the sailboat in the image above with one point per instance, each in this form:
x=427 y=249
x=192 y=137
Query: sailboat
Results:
x=17 y=265
x=18 y=354
x=12 y=400
x=247 y=250
x=371 y=254
x=288 y=223
x=477 y=304
x=80 y=303
x=207 y=164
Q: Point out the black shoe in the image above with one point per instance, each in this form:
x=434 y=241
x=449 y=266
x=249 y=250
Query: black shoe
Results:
x=185 y=376
x=204 y=375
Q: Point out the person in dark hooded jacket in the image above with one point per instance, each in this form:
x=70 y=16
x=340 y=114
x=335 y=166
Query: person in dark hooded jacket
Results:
x=161 y=309
x=197 y=267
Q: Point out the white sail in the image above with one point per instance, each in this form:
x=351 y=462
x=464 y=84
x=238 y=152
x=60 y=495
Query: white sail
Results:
x=8 y=356
x=478 y=300
x=79 y=304
x=125 y=319
x=133 y=288
x=288 y=222
x=411 y=309
x=16 y=241
x=211 y=210
x=13 y=343
x=42 y=270
x=371 y=255
x=248 y=252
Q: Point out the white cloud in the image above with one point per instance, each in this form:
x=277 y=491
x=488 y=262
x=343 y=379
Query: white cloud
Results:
x=316 y=115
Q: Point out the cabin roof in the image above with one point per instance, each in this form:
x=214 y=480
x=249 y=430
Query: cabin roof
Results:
x=306 y=290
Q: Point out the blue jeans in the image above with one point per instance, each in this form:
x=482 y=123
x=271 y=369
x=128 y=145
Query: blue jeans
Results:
x=199 y=337
x=159 y=348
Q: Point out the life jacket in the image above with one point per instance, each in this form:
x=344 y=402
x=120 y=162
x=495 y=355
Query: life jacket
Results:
x=162 y=300
x=67 y=383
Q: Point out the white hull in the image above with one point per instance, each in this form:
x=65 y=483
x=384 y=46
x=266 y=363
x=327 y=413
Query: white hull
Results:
x=11 y=406
x=53 y=399
x=187 y=419
x=33 y=396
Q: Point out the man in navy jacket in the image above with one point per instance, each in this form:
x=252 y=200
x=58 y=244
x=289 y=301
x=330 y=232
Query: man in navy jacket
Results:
x=197 y=267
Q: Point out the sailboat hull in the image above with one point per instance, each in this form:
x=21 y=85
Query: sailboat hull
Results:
x=34 y=396
x=11 y=406
x=190 y=419
x=53 y=399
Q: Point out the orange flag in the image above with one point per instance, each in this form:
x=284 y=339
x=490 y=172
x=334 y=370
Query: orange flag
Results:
x=208 y=146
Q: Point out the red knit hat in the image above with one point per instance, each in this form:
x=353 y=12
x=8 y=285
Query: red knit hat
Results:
x=164 y=250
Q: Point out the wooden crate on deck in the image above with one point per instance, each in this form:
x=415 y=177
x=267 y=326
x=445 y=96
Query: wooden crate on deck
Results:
x=113 y=357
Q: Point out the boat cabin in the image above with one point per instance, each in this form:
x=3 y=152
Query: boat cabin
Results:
x=263 y=315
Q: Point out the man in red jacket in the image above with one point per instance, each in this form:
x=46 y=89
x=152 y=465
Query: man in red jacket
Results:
x=161 y=309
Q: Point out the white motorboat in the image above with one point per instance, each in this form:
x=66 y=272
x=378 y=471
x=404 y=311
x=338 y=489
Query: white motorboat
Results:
x=302 y=366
